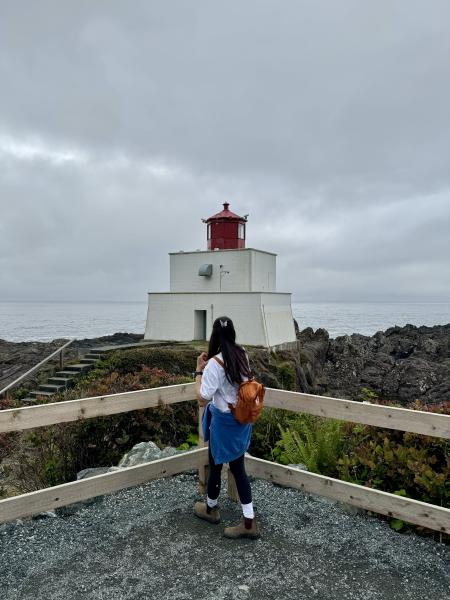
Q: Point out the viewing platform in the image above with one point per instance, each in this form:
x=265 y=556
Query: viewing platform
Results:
x=145 y=543
x=136 y=537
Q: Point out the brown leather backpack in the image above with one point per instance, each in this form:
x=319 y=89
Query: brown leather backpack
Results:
x=250 y=399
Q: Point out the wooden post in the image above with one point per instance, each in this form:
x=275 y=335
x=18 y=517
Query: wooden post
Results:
x=203 y=470
x=232 y=489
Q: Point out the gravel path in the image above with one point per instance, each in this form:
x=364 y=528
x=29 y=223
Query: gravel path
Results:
x=145 y=543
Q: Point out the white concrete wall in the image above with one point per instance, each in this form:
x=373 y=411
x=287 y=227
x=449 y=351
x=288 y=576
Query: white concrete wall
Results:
x=278 y=318
x=250 y=270
x=259 y=319
x=172 y=316
x=263 y=272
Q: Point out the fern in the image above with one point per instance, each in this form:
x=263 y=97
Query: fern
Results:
x=313 y=441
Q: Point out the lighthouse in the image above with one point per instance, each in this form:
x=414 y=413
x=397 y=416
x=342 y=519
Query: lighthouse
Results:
x=226 y=279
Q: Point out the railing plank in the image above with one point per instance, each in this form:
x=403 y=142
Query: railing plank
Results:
x=391 y=417
x=16 y=419
x=407 y=509
x=74 y=491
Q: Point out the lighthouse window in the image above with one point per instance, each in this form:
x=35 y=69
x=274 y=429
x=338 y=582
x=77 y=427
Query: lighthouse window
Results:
x=209 y=231
x=241 y=231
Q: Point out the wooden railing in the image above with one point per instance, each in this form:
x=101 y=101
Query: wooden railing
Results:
x=413 y=511
x=60 y=351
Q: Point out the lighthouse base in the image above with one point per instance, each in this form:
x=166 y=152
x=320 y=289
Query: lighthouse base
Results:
x=260 y=318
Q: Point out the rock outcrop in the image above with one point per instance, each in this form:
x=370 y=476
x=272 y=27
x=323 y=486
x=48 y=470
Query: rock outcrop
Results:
x=401 y=364
x=140 y=453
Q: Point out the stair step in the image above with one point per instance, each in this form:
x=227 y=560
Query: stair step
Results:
x=88 y=361
x=36 y=393
x=66 y=374
x=93 y=355
x=78 y=368
x=51 y=387
x=62 y=381
x=28 y=400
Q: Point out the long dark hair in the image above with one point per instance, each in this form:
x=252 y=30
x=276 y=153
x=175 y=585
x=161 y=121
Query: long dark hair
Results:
x=223 y=339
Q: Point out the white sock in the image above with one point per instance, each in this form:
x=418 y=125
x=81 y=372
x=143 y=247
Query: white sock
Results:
x=247 y=509
x=211 y=503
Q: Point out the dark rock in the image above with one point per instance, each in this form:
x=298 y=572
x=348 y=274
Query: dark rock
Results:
x=402 y=364
x=303 y=384
x=94 y=471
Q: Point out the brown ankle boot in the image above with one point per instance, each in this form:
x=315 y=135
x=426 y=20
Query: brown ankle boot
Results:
x=203 y=511
x=248 y=528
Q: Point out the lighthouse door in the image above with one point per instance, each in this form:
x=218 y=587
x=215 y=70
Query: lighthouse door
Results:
x=200 y=325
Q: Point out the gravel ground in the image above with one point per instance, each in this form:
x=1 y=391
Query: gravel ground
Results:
x=145 y=542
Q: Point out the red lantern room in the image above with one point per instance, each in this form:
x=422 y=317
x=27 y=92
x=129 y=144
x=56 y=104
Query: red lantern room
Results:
x=226 y=230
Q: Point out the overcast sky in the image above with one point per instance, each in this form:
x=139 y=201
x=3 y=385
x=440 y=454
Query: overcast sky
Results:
x=122 y=124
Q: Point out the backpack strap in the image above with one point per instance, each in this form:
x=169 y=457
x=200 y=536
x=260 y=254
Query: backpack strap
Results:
x=221 y=363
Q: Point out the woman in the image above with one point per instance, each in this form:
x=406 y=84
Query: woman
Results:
x=217 y=379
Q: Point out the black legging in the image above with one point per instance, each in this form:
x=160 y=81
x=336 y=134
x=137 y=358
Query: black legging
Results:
x=237 y=467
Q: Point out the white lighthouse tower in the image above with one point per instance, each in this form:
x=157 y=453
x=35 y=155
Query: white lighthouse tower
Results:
x=227 y=279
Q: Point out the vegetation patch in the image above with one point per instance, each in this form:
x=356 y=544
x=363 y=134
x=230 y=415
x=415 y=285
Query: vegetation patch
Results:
x=52 y=455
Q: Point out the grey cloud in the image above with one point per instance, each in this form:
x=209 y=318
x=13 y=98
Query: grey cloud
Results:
x=327 y=122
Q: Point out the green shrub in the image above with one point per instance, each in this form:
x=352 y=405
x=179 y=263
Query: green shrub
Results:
x=171 y=360
x=367 y=395
x=191 y=441
x=287 y=376
x=266 y=431
x=413 y=465
x=313 y=441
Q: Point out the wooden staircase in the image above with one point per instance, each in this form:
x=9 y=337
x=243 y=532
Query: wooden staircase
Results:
x=67 y=375
x=65 y=379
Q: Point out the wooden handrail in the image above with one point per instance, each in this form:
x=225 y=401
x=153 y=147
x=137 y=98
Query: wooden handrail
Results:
x=392 y=417
x=379 y=415
x=17 y=419
x=74 y=491
x=413 y=511
x=410 y=510
x=36 y=367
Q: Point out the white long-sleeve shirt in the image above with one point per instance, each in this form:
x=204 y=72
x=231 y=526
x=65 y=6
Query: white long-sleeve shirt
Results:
x=216 y=387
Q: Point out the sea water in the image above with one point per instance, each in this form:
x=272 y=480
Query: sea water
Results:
x=24 y=321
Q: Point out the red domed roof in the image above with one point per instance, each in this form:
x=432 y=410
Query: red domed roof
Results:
x=226 y=214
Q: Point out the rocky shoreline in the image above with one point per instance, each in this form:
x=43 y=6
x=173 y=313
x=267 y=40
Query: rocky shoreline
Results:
x=401 y=364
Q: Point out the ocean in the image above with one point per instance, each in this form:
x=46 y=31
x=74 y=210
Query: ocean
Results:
x=43 y=321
